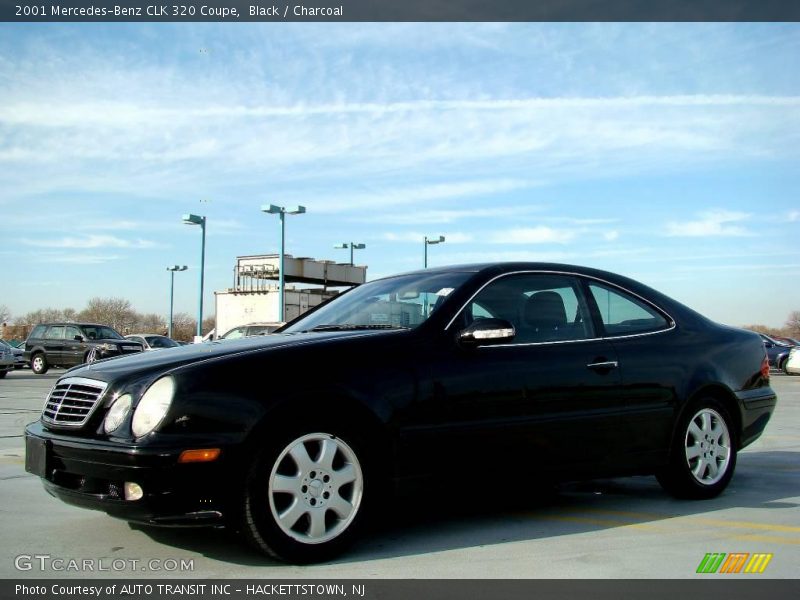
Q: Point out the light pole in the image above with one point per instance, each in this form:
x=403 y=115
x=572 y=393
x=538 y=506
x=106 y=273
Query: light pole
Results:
x=282 y=211
x=198 y=220
x=427 y=243
x=352 y=246
x=172 y=270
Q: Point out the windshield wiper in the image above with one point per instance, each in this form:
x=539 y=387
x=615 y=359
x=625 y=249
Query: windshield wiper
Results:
x=354 y=327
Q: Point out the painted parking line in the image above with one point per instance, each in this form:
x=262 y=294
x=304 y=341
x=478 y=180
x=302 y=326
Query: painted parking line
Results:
x=634 y=519
x=768 y=539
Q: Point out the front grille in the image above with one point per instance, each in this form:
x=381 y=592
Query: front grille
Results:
x=130 y=348
x=72 y=401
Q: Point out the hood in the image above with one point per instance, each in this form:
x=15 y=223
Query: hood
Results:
x=166 y=359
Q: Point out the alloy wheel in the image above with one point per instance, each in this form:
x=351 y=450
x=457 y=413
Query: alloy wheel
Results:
x=708 y=446
x=315 y=488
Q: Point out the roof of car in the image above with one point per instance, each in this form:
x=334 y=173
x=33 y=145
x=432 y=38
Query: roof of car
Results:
x=145 y=334
x=78 y=323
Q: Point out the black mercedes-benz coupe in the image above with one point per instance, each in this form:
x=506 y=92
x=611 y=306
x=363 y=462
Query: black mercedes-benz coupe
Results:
x=547 y=370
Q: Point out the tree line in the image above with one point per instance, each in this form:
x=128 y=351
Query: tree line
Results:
x=116 y=312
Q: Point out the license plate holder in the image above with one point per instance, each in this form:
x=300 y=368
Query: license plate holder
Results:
x=36 y=456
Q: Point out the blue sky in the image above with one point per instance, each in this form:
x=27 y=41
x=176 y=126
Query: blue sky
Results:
x=667 y=152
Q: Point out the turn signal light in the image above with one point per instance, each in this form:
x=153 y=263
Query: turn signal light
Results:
x=205 y=455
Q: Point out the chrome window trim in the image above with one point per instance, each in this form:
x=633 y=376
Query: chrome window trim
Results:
x=672 y=322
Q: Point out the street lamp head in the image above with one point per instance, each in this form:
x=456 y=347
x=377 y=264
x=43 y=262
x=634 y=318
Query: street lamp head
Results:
x=439 y=241
x=177 y=268
x=277 y=210
x=359 y=246
x=341 y=246
x=194 y=219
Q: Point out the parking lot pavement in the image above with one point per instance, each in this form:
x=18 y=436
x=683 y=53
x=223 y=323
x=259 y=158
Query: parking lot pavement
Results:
x=618 y=528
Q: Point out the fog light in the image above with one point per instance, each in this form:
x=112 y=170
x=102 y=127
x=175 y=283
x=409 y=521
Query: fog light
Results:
x=133 y=491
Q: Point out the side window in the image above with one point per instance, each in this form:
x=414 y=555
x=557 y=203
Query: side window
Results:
x=542 y=308
x=38 y=332
x=235 y=334
x=56 y=332
x=72 y=332
x=622 y=314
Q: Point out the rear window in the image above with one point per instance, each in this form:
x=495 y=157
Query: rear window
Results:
x=38 y=332
x=622 y=314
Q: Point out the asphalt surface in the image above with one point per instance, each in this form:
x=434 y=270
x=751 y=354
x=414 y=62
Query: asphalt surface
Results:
x=618 y=528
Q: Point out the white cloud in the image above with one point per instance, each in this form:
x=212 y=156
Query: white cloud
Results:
x=532 y=235
x=794 y=215
x=447 y=215
x=78 y=259
x=712 y=223
x=432 y=193
x=90 y=241
x=611 y=236
x=415 y=237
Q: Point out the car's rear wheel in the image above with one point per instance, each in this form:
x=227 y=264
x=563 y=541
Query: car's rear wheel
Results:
x=39 y=364
x=304 y=496
x=703 y=456
x=3 y=374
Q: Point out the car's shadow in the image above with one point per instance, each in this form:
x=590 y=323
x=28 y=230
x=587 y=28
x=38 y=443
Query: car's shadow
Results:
x=485 y=510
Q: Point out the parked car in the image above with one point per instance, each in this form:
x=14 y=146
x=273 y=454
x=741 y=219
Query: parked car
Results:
x=250 y=329
x=71 y=344
x=152 y=341
x=17 y=353
x=783 y=354
x=6 y=360
x=792 y=364
x=487 y=375
x=777 y=351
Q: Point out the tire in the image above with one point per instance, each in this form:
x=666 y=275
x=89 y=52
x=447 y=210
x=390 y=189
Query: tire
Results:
x=703 y=454
x=3 y=374
x=39 y=363
x=304 y=496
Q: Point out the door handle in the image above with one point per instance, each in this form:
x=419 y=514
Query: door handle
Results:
x=603 y=366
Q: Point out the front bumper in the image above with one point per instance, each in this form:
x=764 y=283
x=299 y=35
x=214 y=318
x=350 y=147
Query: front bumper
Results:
x=756 y=407
x=91 y=474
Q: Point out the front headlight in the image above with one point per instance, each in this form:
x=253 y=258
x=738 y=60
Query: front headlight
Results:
x=107 y=347
x=117 y=413
x=153 y=406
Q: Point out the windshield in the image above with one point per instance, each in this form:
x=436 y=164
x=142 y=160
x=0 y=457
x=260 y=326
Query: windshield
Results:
x=403 y=302
x=159 y=341
x=100 y=332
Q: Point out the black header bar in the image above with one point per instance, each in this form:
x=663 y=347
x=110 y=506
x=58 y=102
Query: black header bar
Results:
x=37 y=11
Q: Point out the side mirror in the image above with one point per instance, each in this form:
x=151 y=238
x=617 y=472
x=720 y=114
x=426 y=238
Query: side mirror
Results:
x=78 y=338
x=487 y=332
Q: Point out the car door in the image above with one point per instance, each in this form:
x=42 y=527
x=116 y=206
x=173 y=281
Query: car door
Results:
x=54 y=344
x=74 y=348
x=549 y=399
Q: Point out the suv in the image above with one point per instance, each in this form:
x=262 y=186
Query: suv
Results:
x=70 y=344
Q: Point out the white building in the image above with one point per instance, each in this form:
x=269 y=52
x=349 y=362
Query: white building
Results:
x=254 y=294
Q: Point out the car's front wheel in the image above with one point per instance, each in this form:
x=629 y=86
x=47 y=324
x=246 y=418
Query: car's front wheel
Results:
x=703 y=455
x=39 y=364
x=304 y=496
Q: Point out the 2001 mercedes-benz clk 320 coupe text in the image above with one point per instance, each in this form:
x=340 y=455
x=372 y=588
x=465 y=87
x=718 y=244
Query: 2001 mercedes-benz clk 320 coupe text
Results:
x=563 y=372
